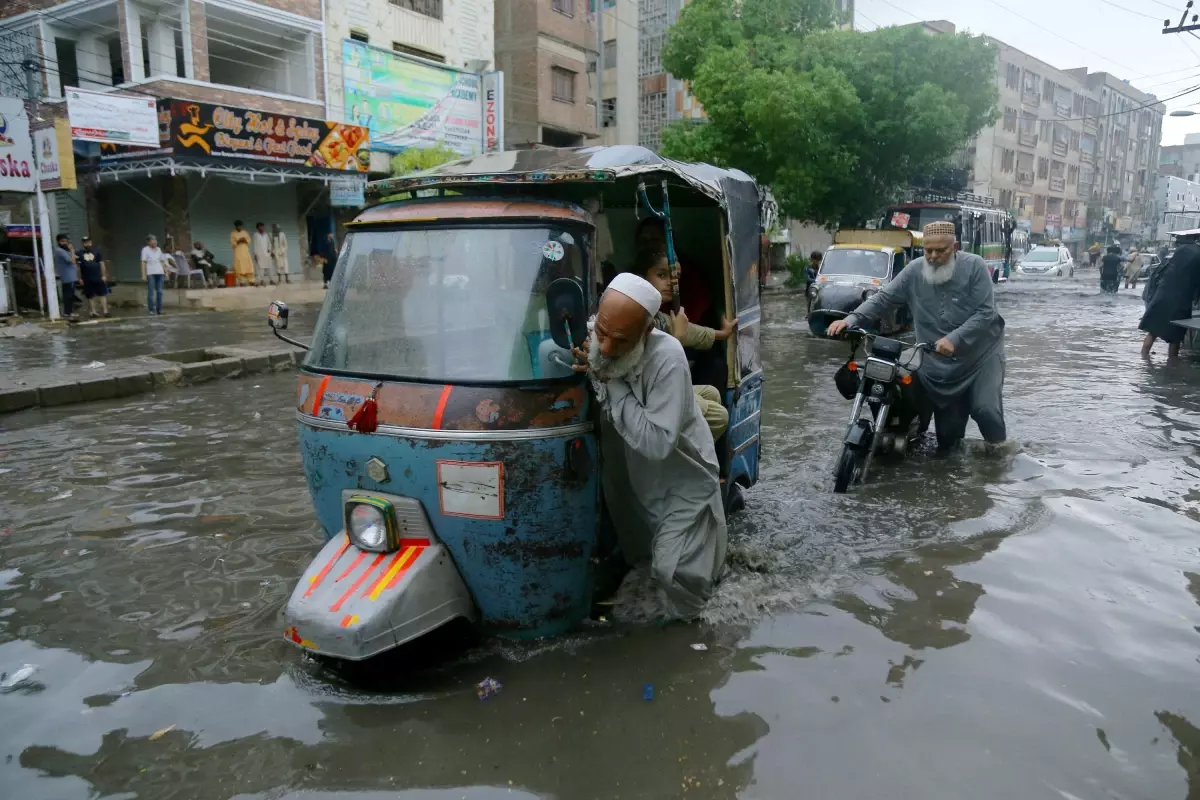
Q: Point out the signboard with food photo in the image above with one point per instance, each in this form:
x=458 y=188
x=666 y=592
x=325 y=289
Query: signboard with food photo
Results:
x=218 y=132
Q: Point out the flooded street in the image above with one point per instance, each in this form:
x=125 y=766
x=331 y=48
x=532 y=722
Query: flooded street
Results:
x=988 y=626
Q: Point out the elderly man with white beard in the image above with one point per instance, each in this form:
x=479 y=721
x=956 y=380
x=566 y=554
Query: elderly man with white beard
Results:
x=950 y=296
x=661 y=479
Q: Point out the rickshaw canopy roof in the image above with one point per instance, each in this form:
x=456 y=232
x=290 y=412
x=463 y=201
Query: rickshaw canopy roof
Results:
x=553 y=165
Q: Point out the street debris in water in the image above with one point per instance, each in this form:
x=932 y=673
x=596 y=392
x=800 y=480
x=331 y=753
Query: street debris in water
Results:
x=158 y=734
x=648 y=691
x=17 y=678
x=94 y=365
x=699 y=646
x=488 y=687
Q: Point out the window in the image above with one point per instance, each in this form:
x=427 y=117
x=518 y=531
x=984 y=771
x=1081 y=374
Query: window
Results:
x=1043 y=169
x=429 y=8
x=1074 y=140
x=562 y=86
x=1070 y=209
x=1010 y=119
x=565 y=7
x=610 y=54
x=68 y=66
x=1006 y=198
x=1012 y=76
x=608 y=112
x=400 y=47
x=1039 y=205
x=116 y=62
x=1072 y=174
x=1048 y=89
x=445 y=304
x=1046 y=130
x=1008 y=160
x=1079 y=105
x=359 y=36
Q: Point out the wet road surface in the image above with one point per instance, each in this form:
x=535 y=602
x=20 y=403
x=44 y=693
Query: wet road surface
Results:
x=1021 y=626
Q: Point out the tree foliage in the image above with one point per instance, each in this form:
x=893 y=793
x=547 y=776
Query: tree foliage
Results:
x=835 y=121
x=415 y=159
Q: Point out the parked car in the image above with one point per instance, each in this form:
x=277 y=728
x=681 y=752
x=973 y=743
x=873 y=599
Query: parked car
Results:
x=1047 y=262
x=1150 y=262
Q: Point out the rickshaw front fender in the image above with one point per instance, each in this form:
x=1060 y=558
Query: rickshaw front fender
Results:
x=352 y=604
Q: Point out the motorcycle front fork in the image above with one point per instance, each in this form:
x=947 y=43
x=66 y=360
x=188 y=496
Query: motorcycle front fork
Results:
x=880 y=421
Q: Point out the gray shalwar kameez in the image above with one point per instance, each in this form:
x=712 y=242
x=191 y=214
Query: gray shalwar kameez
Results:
x=661 y=479
x=962 y=310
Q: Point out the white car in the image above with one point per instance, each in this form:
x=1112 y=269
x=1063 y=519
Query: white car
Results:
x=1047 y=262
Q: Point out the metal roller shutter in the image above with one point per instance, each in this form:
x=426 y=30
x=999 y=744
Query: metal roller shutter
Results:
x=217 y=202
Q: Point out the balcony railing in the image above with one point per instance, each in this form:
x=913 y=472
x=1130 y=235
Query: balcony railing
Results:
x=1025 y=178
x=1063 y=110
x=1086 y=157
x=1090 y=124
x=1031 y=97
x=1057 y=184
x=1027 y=139
x=1059 y=148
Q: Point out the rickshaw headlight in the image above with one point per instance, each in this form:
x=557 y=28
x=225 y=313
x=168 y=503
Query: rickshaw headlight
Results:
x=371 y=523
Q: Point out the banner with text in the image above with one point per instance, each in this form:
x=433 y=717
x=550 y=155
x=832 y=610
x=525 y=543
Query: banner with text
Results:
x=406 y=102
x=219 y=132
x=113 y=118
x=16 y=148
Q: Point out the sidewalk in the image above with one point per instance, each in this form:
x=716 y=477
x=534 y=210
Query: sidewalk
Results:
x=133 y=295
x=56 y=386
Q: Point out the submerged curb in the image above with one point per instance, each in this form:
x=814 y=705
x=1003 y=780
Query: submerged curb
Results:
x=55 y=386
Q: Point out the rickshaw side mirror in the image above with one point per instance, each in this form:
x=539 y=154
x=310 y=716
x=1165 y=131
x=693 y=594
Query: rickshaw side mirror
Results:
x=567 y=311
x=277 y=315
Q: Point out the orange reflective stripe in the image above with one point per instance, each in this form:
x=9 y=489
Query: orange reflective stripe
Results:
x=320 y=576
x=353 y=565
x=319 y=397
x=387 y=568
x=441 y=407
x=361 y=580
x=399 y=568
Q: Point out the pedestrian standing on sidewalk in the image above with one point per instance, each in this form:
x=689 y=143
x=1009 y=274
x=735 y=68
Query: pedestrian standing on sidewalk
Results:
x=328 y=252
x=243 y=263
x=279 y=254
x=262 y=255
x=68 y=274
x=154 y=262
x=94 y=273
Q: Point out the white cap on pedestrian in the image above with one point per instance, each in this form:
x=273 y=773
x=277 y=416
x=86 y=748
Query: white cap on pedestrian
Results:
x=638 y=289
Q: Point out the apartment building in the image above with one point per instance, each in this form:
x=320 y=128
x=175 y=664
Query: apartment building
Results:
x=1073 y=154
x=547 y=50
x=1177 y=201
x=1181 y=160
x=248 y=81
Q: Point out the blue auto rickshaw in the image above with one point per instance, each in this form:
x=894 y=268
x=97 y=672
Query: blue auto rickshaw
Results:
x=452 y=455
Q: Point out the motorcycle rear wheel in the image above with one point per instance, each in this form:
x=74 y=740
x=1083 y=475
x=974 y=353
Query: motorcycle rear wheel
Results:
x=847 y=466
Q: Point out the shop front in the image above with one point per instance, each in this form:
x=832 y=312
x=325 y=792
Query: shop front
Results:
x=216 y=164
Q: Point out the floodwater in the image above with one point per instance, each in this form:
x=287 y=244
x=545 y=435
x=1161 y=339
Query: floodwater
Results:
x=1016 y=626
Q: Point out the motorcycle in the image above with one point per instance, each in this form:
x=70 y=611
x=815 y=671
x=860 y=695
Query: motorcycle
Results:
x=884 y=384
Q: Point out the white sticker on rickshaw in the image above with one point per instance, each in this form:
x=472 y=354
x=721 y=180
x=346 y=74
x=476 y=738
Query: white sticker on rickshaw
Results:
x=552 y=251
x=471 y=489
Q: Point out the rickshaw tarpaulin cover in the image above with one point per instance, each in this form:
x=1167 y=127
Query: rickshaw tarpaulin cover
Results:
x=733 y=190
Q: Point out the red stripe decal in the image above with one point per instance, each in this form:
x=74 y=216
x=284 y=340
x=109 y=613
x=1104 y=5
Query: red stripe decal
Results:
x=319 y=397
x=361 y=580
x=441 y=407
x=383 y=572
x=400 y=574
x=353 y=565
x=320 y=576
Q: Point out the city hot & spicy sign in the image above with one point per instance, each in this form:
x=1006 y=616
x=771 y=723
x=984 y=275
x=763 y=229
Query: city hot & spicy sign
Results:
x=205 y=130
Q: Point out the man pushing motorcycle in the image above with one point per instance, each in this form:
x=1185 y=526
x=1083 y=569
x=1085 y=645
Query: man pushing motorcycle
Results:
x=950 y=295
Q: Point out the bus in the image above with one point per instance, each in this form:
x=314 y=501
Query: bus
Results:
x=982 y=228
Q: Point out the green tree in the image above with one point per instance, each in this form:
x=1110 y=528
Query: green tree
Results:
x=836 y=122
x=415 y=159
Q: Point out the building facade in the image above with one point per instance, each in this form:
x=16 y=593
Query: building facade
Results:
x=547 y=50
x=1177 y=201
x=1072 y=155
x=1181 y=160
x=218 y=63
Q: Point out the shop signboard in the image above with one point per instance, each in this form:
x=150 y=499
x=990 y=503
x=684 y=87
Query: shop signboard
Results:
x=206 y=131
x=1053 y=225
x=493 y=112
x=407 y=102
x=22 y=231
x=347 y=192
x=54 y=170
x=16 y=148
x=113 y=118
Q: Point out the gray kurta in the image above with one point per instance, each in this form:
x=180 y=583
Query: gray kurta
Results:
x=661 y=479
x=962 y=309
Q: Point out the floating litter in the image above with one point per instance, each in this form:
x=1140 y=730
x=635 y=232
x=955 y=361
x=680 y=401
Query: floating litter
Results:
x=488 y=687
x=699 y=646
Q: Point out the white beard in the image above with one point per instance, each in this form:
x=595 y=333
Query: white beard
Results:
x=607 y=369
x=939 y=275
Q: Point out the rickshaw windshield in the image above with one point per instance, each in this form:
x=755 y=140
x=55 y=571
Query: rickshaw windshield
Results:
x=867 y=263
x=444 y=304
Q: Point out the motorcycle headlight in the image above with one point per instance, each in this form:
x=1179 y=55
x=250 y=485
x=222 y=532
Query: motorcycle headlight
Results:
x=880 y=370
x=371 y=524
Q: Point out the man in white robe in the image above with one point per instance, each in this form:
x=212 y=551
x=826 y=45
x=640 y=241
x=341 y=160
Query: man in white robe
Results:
x=660 y=474
x=261 y=246
x=279 y=254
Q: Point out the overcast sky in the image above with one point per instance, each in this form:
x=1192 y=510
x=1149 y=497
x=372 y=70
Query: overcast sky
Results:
x=1123 y=37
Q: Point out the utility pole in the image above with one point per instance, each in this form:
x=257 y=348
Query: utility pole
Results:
x=599 y=62
x=33 y=81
